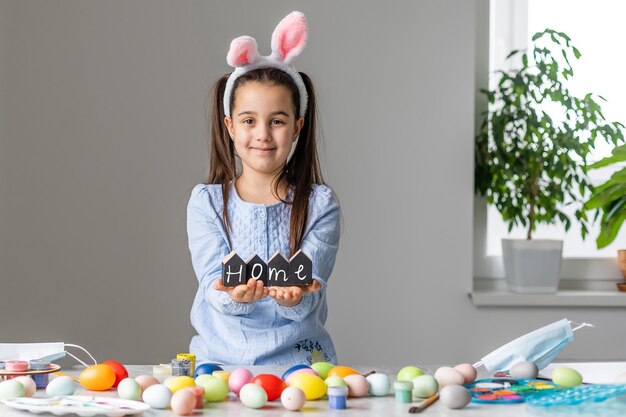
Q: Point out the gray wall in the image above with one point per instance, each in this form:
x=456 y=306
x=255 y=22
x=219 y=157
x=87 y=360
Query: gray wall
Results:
x=102 y=135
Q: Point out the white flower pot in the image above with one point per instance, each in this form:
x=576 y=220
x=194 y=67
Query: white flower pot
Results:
x=532 y=266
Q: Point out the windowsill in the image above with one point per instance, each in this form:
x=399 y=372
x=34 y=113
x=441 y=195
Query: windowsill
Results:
x=571 y=293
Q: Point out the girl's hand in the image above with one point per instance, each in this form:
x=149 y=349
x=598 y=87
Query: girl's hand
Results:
x=245 y=293
x=291 y=296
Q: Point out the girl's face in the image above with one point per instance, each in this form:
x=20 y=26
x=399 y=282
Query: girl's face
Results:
x=263 y=127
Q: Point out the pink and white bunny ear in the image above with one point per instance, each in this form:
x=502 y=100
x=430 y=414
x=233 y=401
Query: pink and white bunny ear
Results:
x=243 y=51
x=290 y=37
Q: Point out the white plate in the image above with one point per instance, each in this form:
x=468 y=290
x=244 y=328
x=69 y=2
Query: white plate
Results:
x=84 y=406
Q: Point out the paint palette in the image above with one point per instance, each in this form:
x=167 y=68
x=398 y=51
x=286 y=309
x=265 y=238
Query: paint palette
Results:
x=506 y=390
x=578 y=395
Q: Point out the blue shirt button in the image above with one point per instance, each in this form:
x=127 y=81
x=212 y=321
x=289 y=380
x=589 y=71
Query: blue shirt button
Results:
x=262 y=215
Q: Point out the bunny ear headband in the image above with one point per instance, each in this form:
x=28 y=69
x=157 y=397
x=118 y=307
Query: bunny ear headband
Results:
x=288 y=41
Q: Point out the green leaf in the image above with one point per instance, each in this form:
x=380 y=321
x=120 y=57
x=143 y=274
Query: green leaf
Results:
x=576 y=52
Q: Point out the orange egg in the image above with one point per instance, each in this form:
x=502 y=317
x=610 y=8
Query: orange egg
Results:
x=97 y=377
x=341 y=371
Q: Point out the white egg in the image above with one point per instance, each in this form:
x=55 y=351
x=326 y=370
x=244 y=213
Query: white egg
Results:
x=455 y=396
x=61 y=385
x=157 y=396
x=380 y=385
x=449 y=376
x=29 y=384
x=524 y=369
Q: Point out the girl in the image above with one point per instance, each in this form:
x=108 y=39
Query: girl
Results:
x=263 y=113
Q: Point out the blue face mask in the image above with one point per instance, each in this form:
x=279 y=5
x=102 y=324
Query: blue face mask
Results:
x=540 y=346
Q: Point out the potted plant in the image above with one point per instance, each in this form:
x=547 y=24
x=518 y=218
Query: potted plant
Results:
x=530 y=152
x=610 y=200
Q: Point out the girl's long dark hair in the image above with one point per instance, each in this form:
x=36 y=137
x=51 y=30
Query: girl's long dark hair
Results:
x=302 y=169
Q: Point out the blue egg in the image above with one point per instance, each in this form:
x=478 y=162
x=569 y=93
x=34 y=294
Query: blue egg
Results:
x=206 y=368
x=293 y=368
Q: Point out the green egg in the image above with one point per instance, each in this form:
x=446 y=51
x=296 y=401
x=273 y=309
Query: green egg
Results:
x=566 y=377
x=424 y=386
x=322 y=368
x=10 y=389
x=335 y=381
x=408 y=373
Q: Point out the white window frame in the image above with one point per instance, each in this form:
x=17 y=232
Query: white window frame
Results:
x=580 y=273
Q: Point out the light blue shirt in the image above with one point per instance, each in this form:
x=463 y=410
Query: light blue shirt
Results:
x=262 y=332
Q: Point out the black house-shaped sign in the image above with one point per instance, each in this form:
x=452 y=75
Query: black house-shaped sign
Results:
x=300 y=269
x=257 y=269
x=233 y=270
x=278 y=271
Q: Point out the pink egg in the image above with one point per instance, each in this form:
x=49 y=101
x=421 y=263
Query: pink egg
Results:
x=468 y=372
x=238 y=378
x=301 y=371
x=183 y=402
x=293 y=398
x=357 y=385
x=145 y=381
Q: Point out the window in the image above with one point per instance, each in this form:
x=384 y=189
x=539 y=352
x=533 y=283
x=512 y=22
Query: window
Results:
x=597 y=31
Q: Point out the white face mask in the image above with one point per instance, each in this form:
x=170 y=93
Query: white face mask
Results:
x=540 y=346
x=50 y=351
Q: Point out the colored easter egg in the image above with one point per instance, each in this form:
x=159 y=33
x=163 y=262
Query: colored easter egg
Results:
x=238 y=378
x=524 y=369
x=225 y=375
x=290 y=370
x=198 y=392
x=424 y=386
x=61 y=385
x=566 y=377
x=299 y=371
x=293 y=398
x=449 y=376
x=357 y=385
x=215 y=389
x=179 y=382
x=206 y=368
x=335 y=381
x=29 y=385
x=157 y=396
x=408 y=373
x=312 y=385
x=322 y=368
x=183 y=402
x=272 y=385
x=11 y=388
x=454 y=396
x=380 y=385
x=119 y=369
x=468 y=371
x=129 y=389
x=97 y=377
x=146 y=380
x=341 y=371
x=253 y=396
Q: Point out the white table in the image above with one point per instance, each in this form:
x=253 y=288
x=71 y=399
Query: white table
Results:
x=368 y=406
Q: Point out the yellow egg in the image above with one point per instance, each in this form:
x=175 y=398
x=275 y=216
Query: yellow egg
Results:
x=312 y=385
x=179 y=382
x=341 y=371
x=97 y=377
